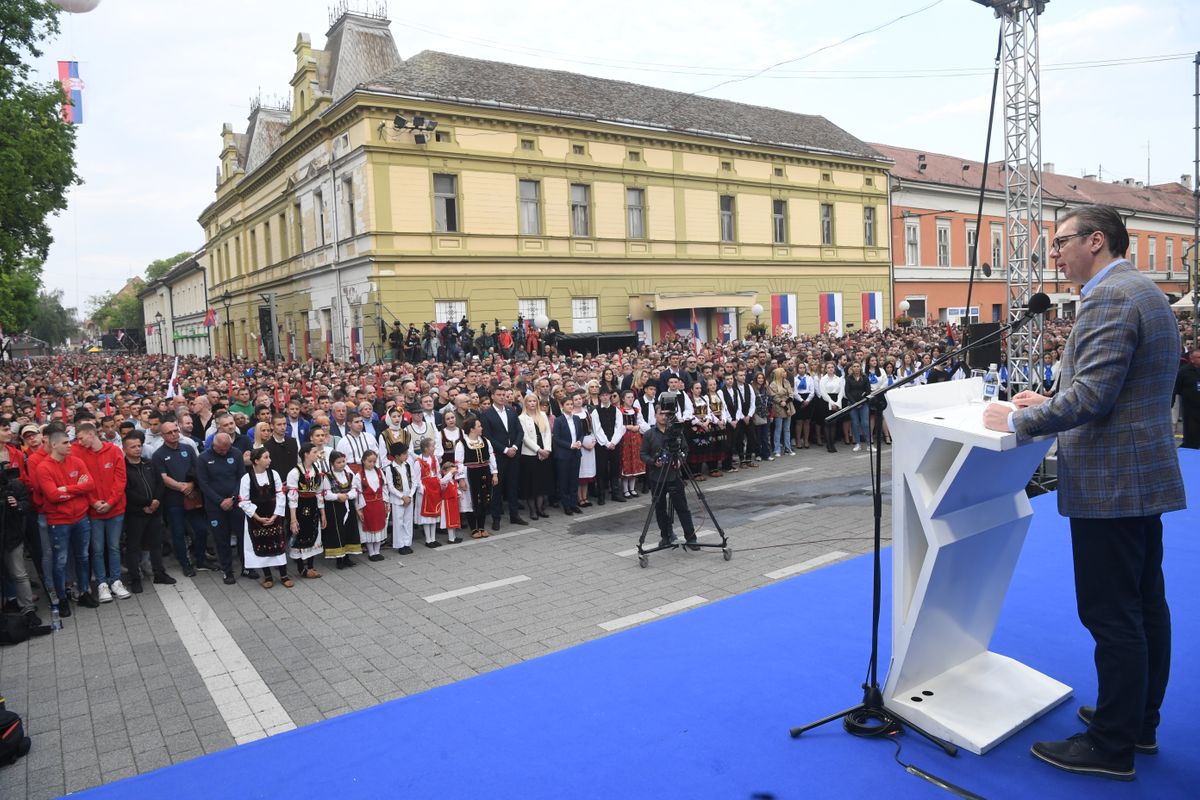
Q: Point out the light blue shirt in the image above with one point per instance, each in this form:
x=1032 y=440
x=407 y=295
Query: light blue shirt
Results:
x=1084 y=291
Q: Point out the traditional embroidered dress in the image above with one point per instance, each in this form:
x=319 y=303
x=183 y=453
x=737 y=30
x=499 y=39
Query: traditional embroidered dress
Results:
x=718 y=412
x=374 y=506
x=419 y=429
x=479 y=464
x=631 y=445
x=587 y=458
x=264 y=545
x=306 y=495
x=341 y=536
x=429 y=495
x=450 y=517
x=401 y=482
x=699 y=434
x=390 y=437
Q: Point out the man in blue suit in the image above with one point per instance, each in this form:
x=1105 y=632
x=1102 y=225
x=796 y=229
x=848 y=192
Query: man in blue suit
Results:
x=502 y=428
x=1118 y=472
x=567 y=438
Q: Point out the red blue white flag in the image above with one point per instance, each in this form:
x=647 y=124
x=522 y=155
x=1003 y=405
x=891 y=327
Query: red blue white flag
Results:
x=728 y=322
x=642 y=328
x=872 y=311
x=697 y=340
x=829 y=308
x=68 y=76
x=783 y=315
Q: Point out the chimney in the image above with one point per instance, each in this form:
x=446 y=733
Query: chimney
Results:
x=1048 y=168
x=1186 y=180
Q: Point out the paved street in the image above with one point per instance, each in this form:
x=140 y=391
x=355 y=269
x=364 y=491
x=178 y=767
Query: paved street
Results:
x=181 y=671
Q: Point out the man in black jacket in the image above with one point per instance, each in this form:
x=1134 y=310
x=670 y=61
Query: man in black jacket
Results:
x=15 y=507
x=502 y=427
x=1187 y=386
x=664 y=480
x=143 y=514
x=219 y=472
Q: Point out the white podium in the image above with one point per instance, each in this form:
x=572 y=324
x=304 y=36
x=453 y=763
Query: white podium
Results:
x=959 y=519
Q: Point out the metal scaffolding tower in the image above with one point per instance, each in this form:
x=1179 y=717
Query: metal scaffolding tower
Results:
x=1022 y=170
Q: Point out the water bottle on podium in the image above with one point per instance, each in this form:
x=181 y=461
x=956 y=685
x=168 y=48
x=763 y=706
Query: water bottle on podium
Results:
x=991 y=383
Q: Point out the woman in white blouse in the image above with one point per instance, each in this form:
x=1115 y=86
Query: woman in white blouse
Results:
x=537 y=468
x=831 y=388
x=343 y=499
x=261 y=498
x=306 y=486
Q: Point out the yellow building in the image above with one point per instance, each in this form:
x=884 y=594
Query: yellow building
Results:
x=441 y=186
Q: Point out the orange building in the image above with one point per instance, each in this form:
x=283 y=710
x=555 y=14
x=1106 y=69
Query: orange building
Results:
x=933 y=224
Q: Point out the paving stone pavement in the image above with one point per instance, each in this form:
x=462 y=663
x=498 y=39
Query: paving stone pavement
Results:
x=177 y=672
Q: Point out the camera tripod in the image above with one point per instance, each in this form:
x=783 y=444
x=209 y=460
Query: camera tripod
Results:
x=660 y=487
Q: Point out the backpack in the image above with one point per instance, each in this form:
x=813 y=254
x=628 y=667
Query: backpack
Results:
x=13 y=741
x=14 y=629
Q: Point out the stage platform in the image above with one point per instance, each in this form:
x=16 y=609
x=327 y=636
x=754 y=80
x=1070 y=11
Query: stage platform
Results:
x=699 y=705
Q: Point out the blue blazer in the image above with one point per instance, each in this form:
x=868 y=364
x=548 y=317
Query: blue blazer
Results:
x=561 y=436
x=1112 y=412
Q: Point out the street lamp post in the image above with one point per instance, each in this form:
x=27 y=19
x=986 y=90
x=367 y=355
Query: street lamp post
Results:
x=757 y=310
x=227 y=300
x=162 y=346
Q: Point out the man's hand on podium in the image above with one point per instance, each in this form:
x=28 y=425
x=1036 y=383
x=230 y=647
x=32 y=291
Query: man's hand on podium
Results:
x=995 y=416
x=1026 y=399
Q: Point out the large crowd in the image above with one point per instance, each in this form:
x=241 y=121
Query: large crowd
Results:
x=266 y=471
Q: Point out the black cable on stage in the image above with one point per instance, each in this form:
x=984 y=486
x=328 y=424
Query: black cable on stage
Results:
x=911 y=769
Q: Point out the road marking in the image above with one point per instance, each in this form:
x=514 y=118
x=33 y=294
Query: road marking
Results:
x=805 y=566
x=654 y=613
x=491 y=537
x=246 y=703
x=481 y=587
x=778 y=511
x=652 y=541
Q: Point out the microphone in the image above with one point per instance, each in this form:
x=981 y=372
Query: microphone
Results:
x=1038 y=304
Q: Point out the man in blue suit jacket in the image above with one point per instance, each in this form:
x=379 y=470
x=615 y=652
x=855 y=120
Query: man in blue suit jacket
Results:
x=502 y=428
x=567 y=438
x=1118 y=472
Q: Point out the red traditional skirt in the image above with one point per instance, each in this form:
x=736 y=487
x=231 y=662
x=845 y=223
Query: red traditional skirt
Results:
x=374 y=509
x=450 y=511
x=431 y=496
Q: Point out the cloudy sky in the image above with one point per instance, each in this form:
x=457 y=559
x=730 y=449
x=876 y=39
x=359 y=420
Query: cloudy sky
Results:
x=163 y=75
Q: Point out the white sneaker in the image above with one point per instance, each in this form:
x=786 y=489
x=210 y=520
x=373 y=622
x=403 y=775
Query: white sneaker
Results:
x=120 y=591
x=103 y=594
x=857 y=447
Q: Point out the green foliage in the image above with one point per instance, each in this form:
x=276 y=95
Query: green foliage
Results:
x=112 y=311
x=156 y=269
x=51 y=321
x=37 y=148
x=18 y=296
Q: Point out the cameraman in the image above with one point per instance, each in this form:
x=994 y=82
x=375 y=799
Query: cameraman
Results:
x=396 y=340
x=15 y=508
x=662 y=457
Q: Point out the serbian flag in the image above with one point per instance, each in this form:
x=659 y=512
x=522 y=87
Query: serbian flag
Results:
x=642 y=329
x=210 y=318
x=354 y=344
x=829 y=309
x=68 y=76
x=329 y=343
x=728 y=322
x=671 y=322
x=783 y=312
x=872 y=311
x=697 y=340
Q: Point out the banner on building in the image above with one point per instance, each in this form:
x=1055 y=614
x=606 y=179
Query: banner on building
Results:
x=728 y=322
x=68 y=76
x=642 y=328
x=872 y=311
x=783 y=315
x=673 y=322
x=829 y=310
x=697 y=336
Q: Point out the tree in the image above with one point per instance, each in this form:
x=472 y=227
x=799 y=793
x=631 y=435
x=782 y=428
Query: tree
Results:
x=19 y=296
x=51 y=321
x=156 y=269
x=113 y=310
x=37 y=148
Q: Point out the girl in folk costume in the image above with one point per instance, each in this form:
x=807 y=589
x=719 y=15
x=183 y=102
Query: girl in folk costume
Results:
x=479 y=465
x=306 y=487
x=450 y=513
x=319 y=435
x=587 y=455
x=632 y=465
x=722 y=423
x=373 y=512
x=394 y=433
x=261 y=498
x=343 y=497
x=699 y=431
x=429 y=493
x=402 y=480
x=450 y=435
x=537 y=468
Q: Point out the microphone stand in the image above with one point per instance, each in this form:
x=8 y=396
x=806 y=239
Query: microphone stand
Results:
x=857 y=719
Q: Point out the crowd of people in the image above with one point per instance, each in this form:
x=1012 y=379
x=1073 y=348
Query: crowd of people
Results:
x=272 y=472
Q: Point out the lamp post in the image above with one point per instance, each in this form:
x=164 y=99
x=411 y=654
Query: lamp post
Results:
x=904 y=306
x=227 y=299
x=162 y=347
x=757 y=310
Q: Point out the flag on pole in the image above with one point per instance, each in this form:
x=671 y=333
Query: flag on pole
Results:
x=696 y=341
x=829 y=308
x=68 y=76
x=872 y=311
x=174 y=377
x=783 y=315
x=210 y=318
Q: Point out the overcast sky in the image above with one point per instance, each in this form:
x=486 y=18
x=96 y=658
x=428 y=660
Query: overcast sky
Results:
x=163 y=75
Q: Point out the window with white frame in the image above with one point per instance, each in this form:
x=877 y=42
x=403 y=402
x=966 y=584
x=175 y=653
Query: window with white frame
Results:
x=449 y=310
x=779 y=221
x=531 y=208
x=972 y=239
x=943 y=242
x=445 y=203
x=727 y=229
x=912 y=243
x=580 y=209
x=585 y=312
x=916 y=308
x=635 y=213
x=1152 y=254
x=827 y=223
x=319 y=202
x=869 y=226
x=1170 y=254
x=997 y=247
x=1133 y=248
x=532 y=307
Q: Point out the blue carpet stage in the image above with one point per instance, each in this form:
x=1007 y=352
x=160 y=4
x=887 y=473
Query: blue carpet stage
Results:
x=699 y=706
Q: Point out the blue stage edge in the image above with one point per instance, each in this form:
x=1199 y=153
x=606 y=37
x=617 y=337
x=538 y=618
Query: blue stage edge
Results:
x=699 y=706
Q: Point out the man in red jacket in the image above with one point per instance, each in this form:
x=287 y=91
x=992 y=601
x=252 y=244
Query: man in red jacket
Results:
x=65 y=486
x=105 y=462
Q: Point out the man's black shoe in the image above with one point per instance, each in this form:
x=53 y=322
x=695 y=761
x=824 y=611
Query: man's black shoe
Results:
x=668 y=542
x=189 y=572
x=406 y=551
x=600 y=500
x=252 y=574
x=1147 y=748
x=616 y=498
x=517 y=521
x=1078 y=755
x=33 y=620
x=495 y=523
x=87 y=600
x=64 y=608
x=230 y=580
x=692 y=544
x=164 y=579
x=135 y=585
x=433 y=544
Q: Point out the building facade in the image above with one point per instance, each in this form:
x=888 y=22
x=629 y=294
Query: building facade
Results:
x=934 y=203
x=438 y=187
x=176 y=308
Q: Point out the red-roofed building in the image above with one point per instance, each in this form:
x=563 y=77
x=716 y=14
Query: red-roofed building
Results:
x=934 y=201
